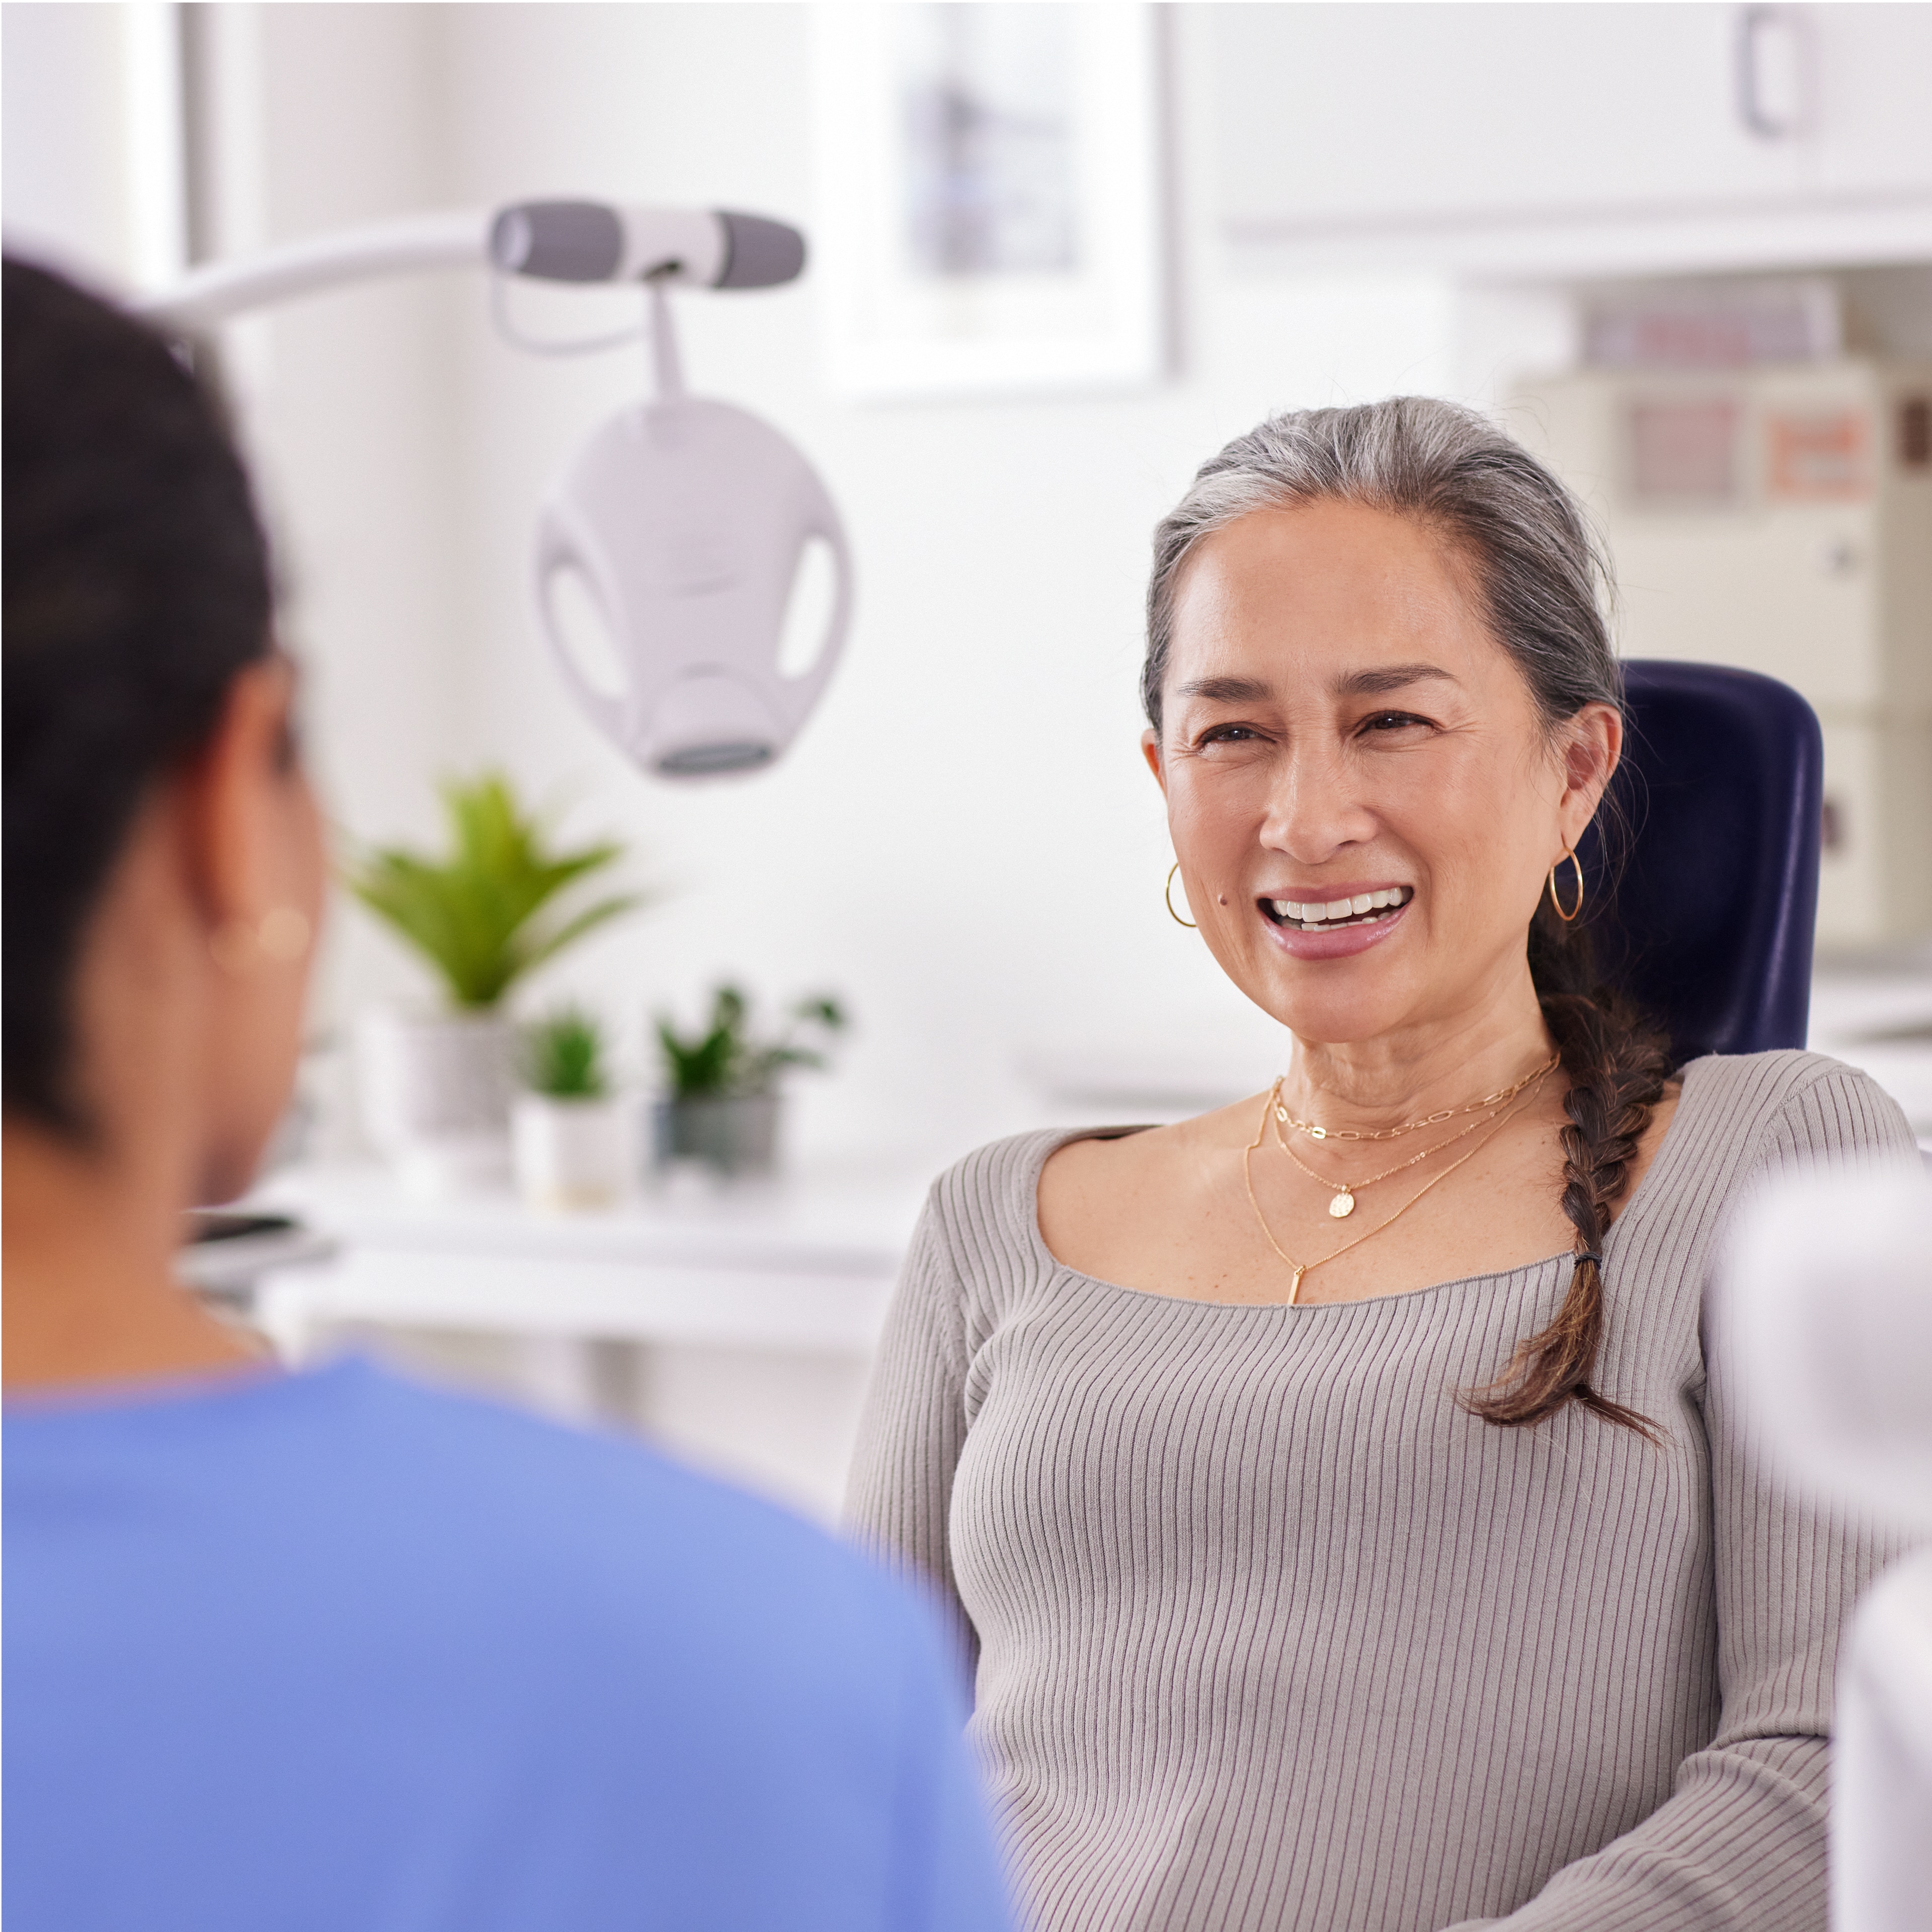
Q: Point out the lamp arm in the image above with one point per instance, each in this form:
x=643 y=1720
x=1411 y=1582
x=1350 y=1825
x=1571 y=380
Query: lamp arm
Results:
x=551 y=241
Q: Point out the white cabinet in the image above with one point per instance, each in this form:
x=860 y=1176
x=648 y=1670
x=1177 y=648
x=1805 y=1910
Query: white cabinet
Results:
x=1525 y=137
x=1874 y=83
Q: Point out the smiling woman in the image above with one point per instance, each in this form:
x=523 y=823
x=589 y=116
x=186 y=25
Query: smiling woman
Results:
x=1335 y=1490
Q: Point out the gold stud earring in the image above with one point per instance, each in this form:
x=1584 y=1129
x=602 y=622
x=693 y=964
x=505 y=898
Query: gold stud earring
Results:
x=1168 y=895
x=1556 y=905
x=281 y=937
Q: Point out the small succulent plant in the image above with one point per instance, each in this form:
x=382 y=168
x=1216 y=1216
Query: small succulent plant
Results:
x=723 y=1058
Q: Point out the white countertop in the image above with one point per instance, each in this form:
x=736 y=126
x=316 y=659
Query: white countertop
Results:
x=805 y=1263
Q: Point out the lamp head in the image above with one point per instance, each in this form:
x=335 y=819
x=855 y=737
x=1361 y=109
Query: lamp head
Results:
x=686 y=521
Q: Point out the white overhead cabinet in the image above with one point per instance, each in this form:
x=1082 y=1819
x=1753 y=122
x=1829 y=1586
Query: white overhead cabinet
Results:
x=1581 y=139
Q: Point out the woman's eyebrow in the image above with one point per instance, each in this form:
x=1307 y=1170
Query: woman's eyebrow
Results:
x=1388 y=677
x=1228 y=690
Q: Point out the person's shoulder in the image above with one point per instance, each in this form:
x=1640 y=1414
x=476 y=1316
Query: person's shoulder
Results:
x=995 y=1190
x=1808 y=1097
x=550 y=1517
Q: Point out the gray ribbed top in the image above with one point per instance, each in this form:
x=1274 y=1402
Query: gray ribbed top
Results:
x=1271 y=1635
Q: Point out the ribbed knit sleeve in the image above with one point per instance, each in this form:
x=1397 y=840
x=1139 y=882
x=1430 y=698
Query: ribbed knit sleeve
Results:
x=914 y=1426
x=1740 y=1845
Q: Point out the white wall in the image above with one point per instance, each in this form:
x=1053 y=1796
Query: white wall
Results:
x=90 y=125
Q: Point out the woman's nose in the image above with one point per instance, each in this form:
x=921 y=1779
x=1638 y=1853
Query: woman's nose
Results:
x=1314 y=810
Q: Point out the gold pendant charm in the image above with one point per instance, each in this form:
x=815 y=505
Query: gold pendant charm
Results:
x=1342 y=1206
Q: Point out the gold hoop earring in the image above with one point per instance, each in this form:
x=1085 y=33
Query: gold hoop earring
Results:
x=1556 y=905
x=1167 y=893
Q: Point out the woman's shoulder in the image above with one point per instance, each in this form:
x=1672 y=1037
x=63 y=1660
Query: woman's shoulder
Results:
x=995 y=1190
x=1792 y=1101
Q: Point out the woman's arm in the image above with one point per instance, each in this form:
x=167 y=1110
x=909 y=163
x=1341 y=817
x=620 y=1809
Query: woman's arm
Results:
x=914 y=1426
x=1740 y=1845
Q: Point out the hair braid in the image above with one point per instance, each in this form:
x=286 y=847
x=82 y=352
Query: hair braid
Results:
x=1618 y=1066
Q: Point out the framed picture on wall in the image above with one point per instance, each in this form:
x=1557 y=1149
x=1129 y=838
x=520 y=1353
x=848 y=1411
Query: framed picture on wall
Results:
x=988 y=196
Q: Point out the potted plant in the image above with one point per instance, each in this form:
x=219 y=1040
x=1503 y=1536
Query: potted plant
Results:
x=497 y=903
x=722 y=1105
x=567 y=1129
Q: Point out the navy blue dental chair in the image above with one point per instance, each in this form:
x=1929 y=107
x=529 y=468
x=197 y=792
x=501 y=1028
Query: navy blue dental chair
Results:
x=1707 y=922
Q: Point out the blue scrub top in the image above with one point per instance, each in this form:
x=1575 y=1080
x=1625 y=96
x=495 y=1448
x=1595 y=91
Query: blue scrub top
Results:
x=333 y=1650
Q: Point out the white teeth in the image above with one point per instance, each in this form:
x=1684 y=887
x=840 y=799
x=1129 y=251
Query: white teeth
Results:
x=1317 y=915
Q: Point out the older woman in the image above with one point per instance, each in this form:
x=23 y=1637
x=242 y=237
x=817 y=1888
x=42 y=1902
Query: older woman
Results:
x=1350 y=1527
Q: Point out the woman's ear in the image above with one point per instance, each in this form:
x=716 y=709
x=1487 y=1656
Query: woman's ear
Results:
x=1150 y=751
x=234 y=789
x=1592 y=745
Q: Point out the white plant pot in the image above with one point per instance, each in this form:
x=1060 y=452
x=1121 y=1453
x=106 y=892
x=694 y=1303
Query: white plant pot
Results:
x=436 y=1091
x=571 y=1154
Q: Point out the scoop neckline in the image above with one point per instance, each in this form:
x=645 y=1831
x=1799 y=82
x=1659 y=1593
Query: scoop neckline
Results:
x=1053 y=1141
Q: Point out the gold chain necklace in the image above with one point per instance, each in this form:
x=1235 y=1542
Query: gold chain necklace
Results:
x=1343 y=1202
x=1302 y=1267
x=1502 y=1095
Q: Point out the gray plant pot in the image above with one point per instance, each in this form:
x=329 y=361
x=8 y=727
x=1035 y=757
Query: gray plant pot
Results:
x=737 y=1134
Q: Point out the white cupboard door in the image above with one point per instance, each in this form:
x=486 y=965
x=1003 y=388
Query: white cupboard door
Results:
x=1339 y=118
x=1874 y=100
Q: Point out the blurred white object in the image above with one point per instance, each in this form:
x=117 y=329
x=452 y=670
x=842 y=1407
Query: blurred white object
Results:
x=1827 y=1302
x=1881 y=1776
x=687 y=521
x=572 y=1153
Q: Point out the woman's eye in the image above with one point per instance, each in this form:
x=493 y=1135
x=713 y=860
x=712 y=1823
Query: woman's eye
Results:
x=1392 y=721
x=1226 y=734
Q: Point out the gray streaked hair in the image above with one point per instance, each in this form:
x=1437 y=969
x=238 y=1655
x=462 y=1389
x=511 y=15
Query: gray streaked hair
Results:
x=1542 y=575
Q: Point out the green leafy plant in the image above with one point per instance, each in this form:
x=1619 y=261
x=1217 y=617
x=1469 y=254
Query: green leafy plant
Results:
x=473 y=913
x=563 y=1056
x=724 y=1060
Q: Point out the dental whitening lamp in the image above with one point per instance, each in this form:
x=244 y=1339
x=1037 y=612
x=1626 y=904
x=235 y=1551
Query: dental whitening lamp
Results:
x=685 y=521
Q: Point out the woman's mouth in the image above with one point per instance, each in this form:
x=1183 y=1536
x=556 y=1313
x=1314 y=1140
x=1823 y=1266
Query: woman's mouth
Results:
x=1368 y=908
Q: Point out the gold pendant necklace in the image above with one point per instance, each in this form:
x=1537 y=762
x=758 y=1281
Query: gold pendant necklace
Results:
x=1301 y=1268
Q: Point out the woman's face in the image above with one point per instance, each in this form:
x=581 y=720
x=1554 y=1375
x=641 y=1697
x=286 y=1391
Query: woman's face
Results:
x=1340 y=725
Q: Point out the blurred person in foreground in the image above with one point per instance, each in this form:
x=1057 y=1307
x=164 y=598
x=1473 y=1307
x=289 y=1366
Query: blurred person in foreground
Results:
x=328 y=1649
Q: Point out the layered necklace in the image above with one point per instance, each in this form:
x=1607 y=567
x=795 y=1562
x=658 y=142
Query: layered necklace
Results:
x=1343 y=1204
x=1497 y=1112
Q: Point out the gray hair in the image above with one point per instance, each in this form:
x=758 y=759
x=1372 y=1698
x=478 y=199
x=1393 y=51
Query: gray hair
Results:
x=1542 y=576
